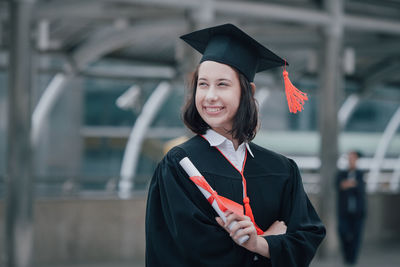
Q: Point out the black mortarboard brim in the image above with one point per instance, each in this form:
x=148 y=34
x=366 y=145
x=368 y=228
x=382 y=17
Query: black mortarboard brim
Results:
x=229 y=45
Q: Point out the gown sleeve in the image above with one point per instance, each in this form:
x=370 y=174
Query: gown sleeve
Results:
x=305 y=230
x=180 y=224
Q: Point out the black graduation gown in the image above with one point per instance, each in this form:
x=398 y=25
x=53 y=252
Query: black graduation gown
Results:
x=181 y=229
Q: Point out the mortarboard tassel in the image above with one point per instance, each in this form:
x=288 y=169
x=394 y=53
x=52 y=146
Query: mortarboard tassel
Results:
x=294 y=96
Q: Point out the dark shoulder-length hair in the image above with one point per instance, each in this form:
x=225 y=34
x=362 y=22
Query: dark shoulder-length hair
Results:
x=245 y=122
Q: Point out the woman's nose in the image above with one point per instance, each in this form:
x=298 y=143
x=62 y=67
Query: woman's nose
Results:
x=211 y=94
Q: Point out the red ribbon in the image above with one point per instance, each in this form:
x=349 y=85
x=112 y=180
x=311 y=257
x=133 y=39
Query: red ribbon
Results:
x=201 y=181
x=249 y=213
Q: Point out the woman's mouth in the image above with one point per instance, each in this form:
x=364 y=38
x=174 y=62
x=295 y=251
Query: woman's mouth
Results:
x=213 y=110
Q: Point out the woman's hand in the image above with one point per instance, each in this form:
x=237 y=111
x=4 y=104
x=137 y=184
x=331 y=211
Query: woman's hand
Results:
x=244 y=226
x=277 y=228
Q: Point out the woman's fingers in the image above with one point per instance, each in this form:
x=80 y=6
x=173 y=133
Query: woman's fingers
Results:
x=231 y=217
x=220 y=221
x=239 y=225
x=250 y=230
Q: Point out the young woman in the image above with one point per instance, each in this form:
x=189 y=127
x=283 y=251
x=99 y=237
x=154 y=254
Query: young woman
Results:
x=182 y=229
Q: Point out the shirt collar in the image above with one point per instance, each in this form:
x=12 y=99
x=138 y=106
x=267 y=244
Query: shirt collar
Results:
x=215 y=139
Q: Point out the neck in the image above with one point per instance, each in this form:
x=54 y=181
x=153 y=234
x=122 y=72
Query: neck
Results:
x=225 y=133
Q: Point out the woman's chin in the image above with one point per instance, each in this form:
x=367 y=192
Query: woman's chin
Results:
x=214 y=124
x=221 y=129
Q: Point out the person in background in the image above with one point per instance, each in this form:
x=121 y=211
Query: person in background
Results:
x=350 y=188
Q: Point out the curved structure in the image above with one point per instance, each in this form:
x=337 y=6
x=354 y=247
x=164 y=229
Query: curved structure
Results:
x=383 y=145
x=134 y=145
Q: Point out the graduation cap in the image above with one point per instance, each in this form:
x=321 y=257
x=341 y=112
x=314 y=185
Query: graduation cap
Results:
x=229 y=45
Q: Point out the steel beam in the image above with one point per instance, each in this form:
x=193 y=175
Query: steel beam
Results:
x=368 y=24
x=137 y=136
x=384 y=70
x=57 y=9
x=272 y=12
x=112 y=40
x=242 y=9
x=124 y=132
x=19 y=184
x=130 y=72
x=387 y=136
x=114 y=72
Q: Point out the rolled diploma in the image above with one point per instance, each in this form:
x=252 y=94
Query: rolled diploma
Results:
x=191 y=170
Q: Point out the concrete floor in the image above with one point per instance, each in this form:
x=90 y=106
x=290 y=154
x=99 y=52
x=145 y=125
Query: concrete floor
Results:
x=372 y=256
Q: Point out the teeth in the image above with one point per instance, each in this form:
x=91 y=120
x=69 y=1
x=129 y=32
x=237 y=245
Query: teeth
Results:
x=213 y=109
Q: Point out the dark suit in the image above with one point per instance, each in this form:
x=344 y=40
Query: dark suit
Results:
x=351 y=213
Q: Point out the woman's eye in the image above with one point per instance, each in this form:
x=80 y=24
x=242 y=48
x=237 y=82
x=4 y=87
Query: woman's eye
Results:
x=222 y=84
x=202 y=84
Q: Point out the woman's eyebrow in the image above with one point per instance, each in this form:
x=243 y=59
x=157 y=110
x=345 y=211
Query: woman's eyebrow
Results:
x=224 y=79
x=218 y=80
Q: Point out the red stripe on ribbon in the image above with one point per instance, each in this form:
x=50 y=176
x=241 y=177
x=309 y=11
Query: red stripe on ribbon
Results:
x=201 y=181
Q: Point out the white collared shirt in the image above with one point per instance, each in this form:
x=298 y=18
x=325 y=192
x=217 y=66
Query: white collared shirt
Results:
x=236 y=157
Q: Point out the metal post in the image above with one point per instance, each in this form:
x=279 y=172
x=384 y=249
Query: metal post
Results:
x=135 y=141
x=48 y=99
x=1 y=33
x=19 y=197
x=331 y=86
x=43 y=40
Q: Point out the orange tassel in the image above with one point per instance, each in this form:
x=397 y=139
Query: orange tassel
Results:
x=294 y=96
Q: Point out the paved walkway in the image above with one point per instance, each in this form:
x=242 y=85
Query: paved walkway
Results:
x=371 y=256
x=382 y=256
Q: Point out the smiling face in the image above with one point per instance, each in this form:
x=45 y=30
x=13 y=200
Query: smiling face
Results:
x=217 y=95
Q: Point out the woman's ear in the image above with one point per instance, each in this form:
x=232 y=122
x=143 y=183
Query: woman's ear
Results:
x=253 y=88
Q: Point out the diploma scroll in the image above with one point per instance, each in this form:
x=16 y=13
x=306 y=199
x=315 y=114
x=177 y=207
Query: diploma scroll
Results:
x=192 y=171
